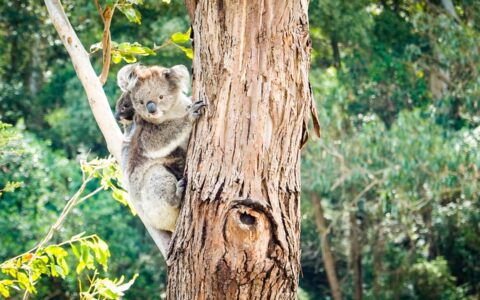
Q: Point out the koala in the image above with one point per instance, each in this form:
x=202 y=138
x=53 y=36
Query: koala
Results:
x=154 y=156
x=124 y=109
x=124 y=114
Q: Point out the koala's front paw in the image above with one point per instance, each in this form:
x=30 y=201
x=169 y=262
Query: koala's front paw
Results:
x=196 y=109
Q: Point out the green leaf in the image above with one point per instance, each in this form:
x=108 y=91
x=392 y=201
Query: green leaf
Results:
x=188 y=51
x=181 y=38
x=80 y=267
x=128 y=58
x=75 y=251
x=85 y=256
x=60 y=271
x=12 y=186
x=116 y=57
x=120 y=196
x=124 y=47
x=53 y=269
x=56 y=251
x=25 y=282
x=39 y=267
x=132 y=14
x=103 y=253
x=62 y=263
x=4 y=288
x=140 y=50
x=10 y=268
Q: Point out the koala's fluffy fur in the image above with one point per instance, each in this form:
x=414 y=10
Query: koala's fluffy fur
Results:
x=155 y=150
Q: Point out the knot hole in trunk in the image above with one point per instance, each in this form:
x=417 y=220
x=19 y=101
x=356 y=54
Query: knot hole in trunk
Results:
x=247 y=227
x=247 y=219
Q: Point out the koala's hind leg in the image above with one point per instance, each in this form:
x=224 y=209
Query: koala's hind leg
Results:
x=159 y=198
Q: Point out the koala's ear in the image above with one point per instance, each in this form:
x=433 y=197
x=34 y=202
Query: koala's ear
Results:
x=183 y=75
x=126 y=77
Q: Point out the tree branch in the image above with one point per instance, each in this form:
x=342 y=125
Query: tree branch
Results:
x=85 y=72
x=106 y=42
x=100 y=10
x=97 y=99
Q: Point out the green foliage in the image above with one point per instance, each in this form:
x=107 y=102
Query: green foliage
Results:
x=107 y=289
x=110 y=175
x=8 y=140
x=125 y=51
x=128 y=9
x=24 y=271
x=28 y=212
x=398 y=92
x=433 y=280
x=179 y=38
x=412 y=182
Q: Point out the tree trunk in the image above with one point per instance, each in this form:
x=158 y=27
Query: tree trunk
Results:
x=237 y=236
x=337 y=60
x=378 y=255
x=328 y=259
x=356 y=257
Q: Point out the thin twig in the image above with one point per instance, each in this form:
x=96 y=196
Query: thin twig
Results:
x=99 y=189
x=165 y=44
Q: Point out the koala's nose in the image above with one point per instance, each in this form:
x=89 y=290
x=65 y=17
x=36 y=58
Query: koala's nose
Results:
x=151 y=107
x=117 y=116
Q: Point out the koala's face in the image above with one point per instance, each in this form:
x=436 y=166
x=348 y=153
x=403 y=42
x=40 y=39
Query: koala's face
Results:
x=124 y=109
x=157 y=90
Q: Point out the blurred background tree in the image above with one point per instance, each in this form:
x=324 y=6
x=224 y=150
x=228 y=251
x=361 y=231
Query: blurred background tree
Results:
x=395 y=175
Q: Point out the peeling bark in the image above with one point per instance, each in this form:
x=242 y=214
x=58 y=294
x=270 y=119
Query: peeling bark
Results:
x=237 y=236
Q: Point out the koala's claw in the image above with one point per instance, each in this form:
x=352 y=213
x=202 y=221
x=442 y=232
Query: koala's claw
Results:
x=181 y=186
x=196 y=109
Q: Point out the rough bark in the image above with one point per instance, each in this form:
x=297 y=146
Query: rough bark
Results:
x=237 y=236
x=328 y=259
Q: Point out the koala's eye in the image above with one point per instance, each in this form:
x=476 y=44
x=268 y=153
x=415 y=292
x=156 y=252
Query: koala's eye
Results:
x=161 y=97
x=123 y=108
x=141 y=101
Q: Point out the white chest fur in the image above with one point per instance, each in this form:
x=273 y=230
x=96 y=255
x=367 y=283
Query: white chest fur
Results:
x=181 y=141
